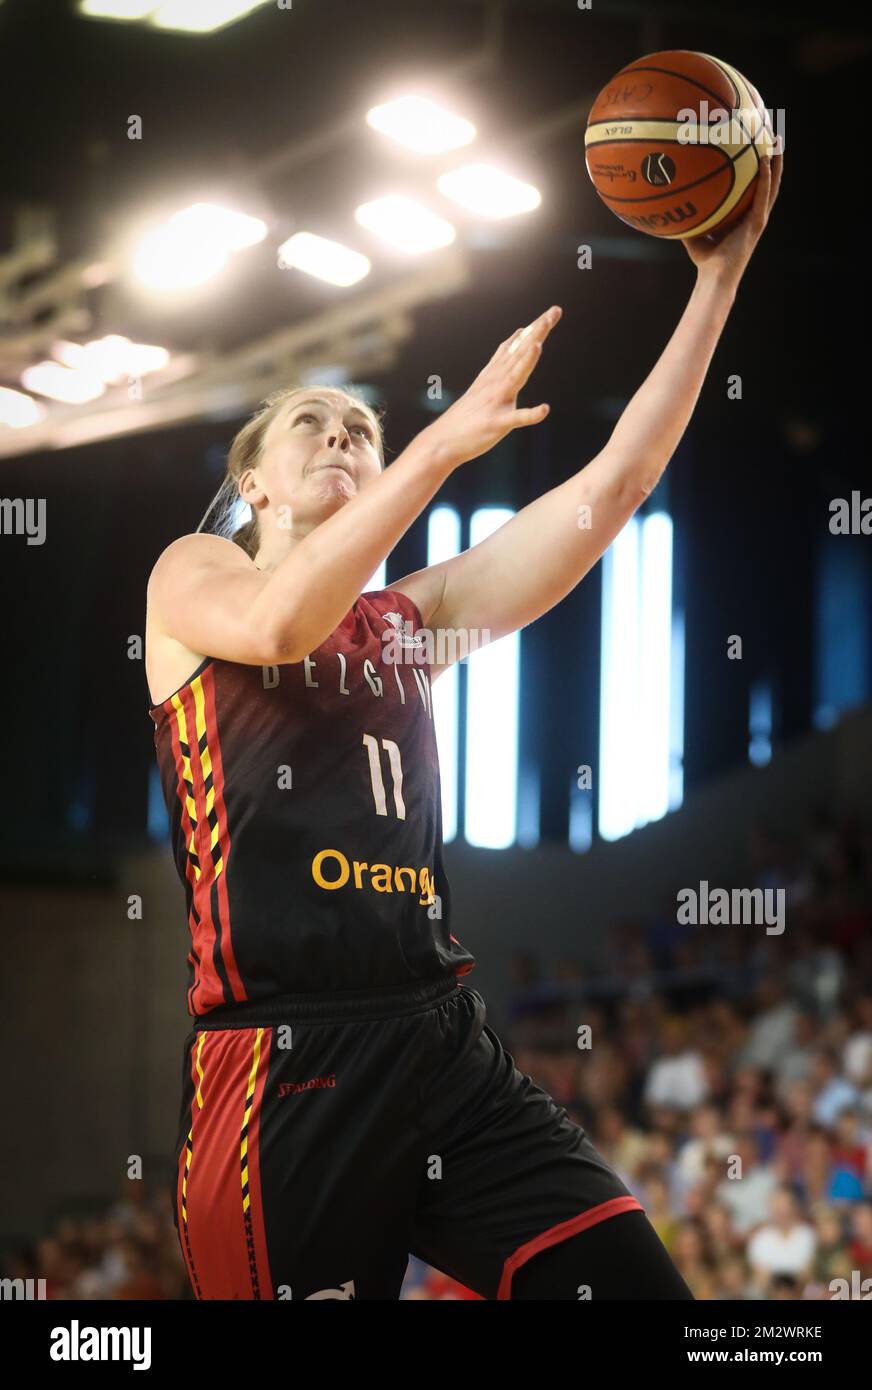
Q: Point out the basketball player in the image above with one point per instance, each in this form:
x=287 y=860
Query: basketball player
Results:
x=344 y=1100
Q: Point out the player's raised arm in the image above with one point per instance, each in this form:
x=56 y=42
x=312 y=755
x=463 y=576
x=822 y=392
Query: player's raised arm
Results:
x=538 y=557
x=211 y=597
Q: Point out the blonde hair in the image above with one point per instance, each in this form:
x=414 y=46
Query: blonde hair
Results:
x=246 y=451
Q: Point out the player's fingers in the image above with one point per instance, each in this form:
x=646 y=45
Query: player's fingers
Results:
x=522 y=351
x=519 y=368
x=539 y=328
x=760 y=203
x=519 y=340
x=506 y=344
x=777 y=171
x=542 y=326
x=530 y=415
x=500 y=353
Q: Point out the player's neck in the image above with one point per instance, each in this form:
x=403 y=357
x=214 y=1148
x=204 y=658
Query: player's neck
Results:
x=275 y=547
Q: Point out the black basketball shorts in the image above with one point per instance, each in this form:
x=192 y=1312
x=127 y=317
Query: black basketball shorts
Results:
x=321 y=1141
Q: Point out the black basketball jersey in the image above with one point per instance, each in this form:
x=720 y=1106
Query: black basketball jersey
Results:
x=306 y=817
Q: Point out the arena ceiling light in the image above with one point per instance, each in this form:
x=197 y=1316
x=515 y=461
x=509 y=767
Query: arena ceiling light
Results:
x=193 y=246
x=116 y=9
x=232 y=230
x=405 y=224
x=201 y=16
x=325 y=259
x=17 y=410
x=61 y=384
x=421 y=125
x=488 y=192
x=113 y=358
x=165 y=260
x=183 y=16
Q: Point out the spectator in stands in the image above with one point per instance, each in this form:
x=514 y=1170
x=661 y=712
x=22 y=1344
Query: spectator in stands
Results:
x=621 y=1144
x=817 y=1171
x=771 y=1033
x=797 y=1125
x=784 y=1246
x=832 y=1256
x=659 y=1211
x=850 y=1156
x=677 y=1078
x=785 y=1288
x=706 y=1139
x=832 y=1091
x=691 y=1256
x=795 y=1064
x=860 y=1242
x=747 y=1189
x=732 y=1280
x=723 y=1242
x=857 y=1053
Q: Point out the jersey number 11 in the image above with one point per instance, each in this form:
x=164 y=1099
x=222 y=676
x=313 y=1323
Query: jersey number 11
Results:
x=375 y=773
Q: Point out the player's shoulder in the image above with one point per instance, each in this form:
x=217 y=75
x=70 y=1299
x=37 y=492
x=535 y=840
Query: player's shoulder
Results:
x=188 y=555
x=200 y=548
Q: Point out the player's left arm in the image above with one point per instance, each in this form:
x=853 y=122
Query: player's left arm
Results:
x=538 y=557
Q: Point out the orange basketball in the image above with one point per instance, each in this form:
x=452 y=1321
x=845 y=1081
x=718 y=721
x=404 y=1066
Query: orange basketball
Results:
x=674 y=142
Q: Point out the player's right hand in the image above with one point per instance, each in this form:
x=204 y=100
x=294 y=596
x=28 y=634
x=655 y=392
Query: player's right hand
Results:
x=726 y=254
x=488 y=411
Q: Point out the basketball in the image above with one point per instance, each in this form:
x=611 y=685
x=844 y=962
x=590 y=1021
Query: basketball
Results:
x=673 y=144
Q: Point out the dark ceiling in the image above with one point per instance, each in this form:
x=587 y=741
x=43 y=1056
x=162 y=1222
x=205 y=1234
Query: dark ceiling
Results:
x=217 y=109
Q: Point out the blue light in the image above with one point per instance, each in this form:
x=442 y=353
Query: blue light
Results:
x=158 y=821
x=642 y=679
x=760 y=723
x=443 y=543
x=492 y=723
x=843 y=635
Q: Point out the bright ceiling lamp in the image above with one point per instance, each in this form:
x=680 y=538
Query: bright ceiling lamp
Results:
x=421 y=125
x=201 y=16
x=325 y=259
x=18 y=410
x=232 y=230
x=407 y=225
x=116 y=9
x=61 y=384
x=112 y=358
x=482 y=189
x=165 y=260
x=193 y=246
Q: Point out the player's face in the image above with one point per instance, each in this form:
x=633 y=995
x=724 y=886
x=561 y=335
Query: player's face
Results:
x=318 y=453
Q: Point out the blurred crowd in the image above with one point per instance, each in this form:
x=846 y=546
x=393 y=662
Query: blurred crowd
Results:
x=725 y=1073
x=128 y=1250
